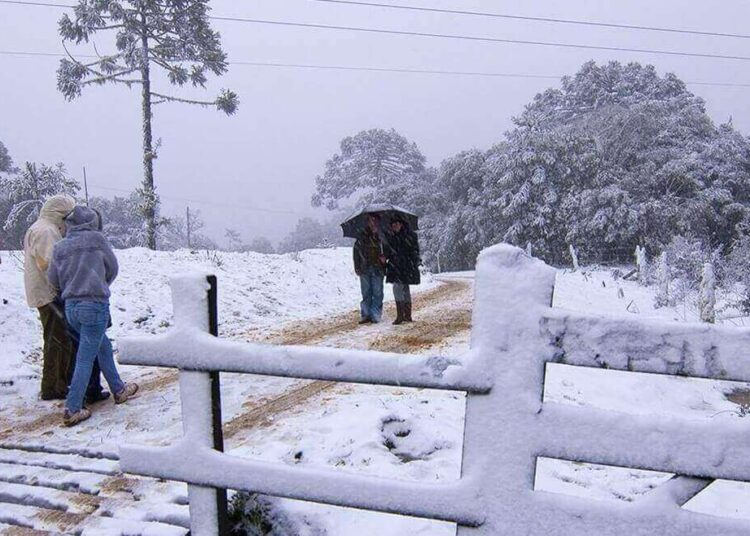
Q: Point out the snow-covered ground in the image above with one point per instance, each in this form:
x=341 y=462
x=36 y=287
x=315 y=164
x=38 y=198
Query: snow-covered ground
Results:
x=361 y=429
x=257 y=292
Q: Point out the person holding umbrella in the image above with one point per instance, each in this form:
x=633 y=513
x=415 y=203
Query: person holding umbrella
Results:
x=366 y=226
x=369 y=265
x=402 y=270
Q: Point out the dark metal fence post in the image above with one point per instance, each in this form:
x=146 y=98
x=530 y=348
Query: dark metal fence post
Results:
x=213 y=328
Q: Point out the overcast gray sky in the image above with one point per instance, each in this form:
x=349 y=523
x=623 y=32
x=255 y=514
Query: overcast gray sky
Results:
x=291 y=120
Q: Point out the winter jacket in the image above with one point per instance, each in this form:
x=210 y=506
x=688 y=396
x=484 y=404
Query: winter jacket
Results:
x=402 y=251
x=368 y=250
x=38 y=243
x=83 y=263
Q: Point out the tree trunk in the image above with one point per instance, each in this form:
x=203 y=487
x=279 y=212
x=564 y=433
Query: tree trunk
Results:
x=148 y=190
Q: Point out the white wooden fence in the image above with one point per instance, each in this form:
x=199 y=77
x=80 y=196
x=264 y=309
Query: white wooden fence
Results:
x=515 y=334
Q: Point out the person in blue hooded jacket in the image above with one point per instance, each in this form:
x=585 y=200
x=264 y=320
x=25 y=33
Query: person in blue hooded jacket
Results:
x=83 y=267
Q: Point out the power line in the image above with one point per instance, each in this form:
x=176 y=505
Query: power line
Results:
x=42 y=4
x=473 y=38
x=537 y=19
x=479 y=14
x=481 y=39
x=374 y=69
x=204 y=202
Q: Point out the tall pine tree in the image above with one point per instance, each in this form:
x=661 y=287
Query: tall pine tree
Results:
x=172 y=36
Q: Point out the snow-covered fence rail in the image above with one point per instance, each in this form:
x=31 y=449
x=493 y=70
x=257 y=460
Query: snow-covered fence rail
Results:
x=515 y=334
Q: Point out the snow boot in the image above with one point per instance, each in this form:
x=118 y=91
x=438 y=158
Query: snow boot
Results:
x=127 y=392
x=407 y=312
x=365 y=321
x=399 y=313
x=71 y=419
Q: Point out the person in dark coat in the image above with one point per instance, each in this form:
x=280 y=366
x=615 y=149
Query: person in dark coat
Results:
x=369 y=265
x=402 y=270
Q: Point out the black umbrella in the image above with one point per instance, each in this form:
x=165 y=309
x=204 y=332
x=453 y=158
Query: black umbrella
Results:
x=355 y=224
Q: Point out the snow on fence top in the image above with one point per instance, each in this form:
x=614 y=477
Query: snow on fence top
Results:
x=515 y=334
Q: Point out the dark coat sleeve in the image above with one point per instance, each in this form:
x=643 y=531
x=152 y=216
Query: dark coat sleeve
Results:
x=358 y=257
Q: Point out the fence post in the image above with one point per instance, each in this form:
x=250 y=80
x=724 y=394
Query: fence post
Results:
x=708 y=294
x=216 y=421
x=573 y=257
x=511 y=291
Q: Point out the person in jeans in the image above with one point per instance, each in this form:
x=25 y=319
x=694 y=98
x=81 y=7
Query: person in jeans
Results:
x=83 y=267
x=402 y=252
x=369 y=265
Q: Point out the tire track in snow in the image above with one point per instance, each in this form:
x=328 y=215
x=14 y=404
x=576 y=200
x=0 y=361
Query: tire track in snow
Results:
x=436 y=322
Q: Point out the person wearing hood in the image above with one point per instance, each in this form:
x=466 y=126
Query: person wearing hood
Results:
x=83 y=267
x=58 y=351
x=59 y=348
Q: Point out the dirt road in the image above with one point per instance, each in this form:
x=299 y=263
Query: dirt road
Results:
x=49 y=477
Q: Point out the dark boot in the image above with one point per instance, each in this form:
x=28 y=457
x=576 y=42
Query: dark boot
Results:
x=399 y=313
x=407 y=312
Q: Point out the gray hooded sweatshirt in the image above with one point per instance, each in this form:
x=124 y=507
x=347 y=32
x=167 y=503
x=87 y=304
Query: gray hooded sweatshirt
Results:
x=83 y=263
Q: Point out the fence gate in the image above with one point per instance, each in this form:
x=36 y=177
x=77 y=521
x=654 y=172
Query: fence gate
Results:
x=515 y=334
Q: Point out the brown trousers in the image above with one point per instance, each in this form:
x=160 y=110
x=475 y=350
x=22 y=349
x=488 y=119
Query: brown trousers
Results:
x=59 y=354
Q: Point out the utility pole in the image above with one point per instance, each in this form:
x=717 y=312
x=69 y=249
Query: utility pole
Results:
x=187 y=225
x=85 y=186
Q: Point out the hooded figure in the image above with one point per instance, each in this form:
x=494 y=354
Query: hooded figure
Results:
x=83 y=267
x=38 y=244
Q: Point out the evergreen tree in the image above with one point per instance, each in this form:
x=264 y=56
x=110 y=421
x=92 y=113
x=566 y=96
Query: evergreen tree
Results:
x=374 y=166
x=6 y=162
x=171 y=36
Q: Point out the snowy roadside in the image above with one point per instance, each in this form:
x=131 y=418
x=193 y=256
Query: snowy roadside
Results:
x=257 y=292
x=395 y=433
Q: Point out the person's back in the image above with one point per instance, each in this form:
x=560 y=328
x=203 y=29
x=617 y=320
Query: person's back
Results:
x=84 y=264
x=83 y=267
x=38 y=244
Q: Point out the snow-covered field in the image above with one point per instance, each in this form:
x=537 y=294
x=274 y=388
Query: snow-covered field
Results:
x=351 y=428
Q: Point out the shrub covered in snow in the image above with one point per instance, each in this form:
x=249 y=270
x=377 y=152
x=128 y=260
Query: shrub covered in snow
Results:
x=257 y=515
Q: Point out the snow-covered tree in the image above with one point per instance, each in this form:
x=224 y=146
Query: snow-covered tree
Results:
x=452 y=227
x=373 y=166
x=618 y=156
x=307 y=234
x=6 y=162
x=234 y=240
x=172 y=38
x=122 y=220
x=261 y=244
x=174 y=233
x=26 y=192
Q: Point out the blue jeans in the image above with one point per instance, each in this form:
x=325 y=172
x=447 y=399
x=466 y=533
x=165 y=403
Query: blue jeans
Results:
x=371 y=282
x=90 y=319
